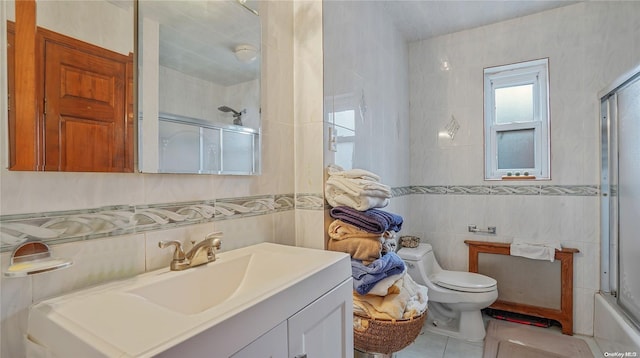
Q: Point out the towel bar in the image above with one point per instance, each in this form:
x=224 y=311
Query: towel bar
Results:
x=490 y=230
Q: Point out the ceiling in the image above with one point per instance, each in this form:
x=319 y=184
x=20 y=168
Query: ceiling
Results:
x=216 y=27
x=198 y=37
x=418 y=20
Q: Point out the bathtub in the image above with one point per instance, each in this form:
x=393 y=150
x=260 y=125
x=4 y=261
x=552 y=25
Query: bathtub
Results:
x=612 y=330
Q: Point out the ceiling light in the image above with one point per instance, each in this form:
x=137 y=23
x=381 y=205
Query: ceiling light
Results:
x=246 y=53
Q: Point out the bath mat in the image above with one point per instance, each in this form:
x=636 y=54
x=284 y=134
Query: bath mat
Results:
x=508 y=349
x=507 y=339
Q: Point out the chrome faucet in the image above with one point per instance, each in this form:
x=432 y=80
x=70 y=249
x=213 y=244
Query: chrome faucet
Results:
x=201 y=253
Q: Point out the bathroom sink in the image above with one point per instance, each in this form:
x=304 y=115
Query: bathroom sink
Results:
x=199 y=288
x=148 y=314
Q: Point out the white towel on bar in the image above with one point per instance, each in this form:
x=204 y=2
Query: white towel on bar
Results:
x=545 y=250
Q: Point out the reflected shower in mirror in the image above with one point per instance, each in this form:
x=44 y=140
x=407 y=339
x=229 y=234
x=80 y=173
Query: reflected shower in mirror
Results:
x=199 y=87
x=237 y=116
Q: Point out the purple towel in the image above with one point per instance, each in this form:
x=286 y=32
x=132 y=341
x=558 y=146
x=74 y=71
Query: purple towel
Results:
x=366 y=277
x=372 y=220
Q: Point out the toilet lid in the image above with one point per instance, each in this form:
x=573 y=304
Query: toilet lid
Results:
x=464 y=281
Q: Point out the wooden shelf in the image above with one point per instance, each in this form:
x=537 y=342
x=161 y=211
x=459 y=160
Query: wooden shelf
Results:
x=564 y=315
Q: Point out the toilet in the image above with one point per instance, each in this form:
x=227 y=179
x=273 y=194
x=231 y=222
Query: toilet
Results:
x=455 y=297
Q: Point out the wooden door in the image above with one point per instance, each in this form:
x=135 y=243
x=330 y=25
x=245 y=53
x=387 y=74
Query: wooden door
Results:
x=85 y=106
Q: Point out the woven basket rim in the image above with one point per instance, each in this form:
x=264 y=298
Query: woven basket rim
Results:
x=400 y=320
x=387 y=336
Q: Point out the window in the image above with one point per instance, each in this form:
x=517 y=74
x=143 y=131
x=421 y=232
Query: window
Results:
x=516 y=120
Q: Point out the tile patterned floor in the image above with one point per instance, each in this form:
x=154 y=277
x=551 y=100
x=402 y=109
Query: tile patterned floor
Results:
x=431 y=345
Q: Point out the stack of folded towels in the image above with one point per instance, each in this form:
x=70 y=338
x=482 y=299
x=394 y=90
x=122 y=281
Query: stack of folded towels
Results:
x=382 y=289
x=355 y=188
x=364 y=235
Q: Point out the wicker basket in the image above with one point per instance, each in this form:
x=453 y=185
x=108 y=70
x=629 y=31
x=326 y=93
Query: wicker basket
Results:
x=386 y=336
x=409 y=241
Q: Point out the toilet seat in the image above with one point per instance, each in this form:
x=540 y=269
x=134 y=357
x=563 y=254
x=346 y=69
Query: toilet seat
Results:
x=464 y=281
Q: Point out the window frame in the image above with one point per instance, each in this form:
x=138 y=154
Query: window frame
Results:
x=534 y=72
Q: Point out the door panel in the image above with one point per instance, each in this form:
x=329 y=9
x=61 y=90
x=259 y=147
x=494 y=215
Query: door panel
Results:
x=629 y=198
x=325 y=327
x=85 y=109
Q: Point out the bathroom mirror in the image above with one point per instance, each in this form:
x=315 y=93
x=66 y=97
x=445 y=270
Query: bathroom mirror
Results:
x=70 y=84
x=199 y=87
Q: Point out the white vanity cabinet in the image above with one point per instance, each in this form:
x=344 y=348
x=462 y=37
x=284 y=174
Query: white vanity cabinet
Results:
x=261 y=301
x=272 y=344
x=325 y=327
x=322 y=329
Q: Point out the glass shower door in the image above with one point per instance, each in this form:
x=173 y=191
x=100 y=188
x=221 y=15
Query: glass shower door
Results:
x=628 y=118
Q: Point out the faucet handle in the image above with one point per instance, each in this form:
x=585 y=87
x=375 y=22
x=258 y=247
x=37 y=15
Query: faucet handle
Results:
x=178 y=254
x=214 y=235
x=215 y=239
x=215 y=244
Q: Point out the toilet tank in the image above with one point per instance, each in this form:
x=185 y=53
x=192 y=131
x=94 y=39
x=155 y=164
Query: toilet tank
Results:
x=420 y=262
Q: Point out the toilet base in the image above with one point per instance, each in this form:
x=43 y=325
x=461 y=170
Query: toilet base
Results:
x=468 y=326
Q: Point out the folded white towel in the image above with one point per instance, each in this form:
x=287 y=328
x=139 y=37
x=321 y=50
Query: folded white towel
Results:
x=336 y=170
x=359 y=187
x=382 y=287
x=545 y=250
x=361 y=203
x=359 y=194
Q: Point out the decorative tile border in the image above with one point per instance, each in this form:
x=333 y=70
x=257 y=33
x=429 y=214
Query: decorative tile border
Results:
x=401 y=191
x=552 y=190
x=75 y=225
x=310 y=201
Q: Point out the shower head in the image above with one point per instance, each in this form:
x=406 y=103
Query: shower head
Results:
x=228 y=109
x=237 y=120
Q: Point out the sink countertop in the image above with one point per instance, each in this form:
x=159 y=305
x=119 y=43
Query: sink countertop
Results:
x=112 y=320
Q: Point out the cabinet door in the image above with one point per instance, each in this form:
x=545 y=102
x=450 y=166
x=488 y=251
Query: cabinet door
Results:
x=325 y=327
x=272 y=344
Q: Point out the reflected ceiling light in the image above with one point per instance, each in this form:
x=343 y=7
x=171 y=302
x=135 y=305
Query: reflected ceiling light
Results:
x=246 y=53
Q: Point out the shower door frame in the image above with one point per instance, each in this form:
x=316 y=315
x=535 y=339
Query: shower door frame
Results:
x=609 y=205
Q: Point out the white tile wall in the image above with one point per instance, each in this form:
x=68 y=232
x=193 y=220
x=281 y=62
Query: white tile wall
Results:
x=308 y=106
x=588 y=45
x=310 y=228
x=72 y=18
x=16 y=299
x=113 y=258
x=366 y=70
x=94 y=262
x=308 y=97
